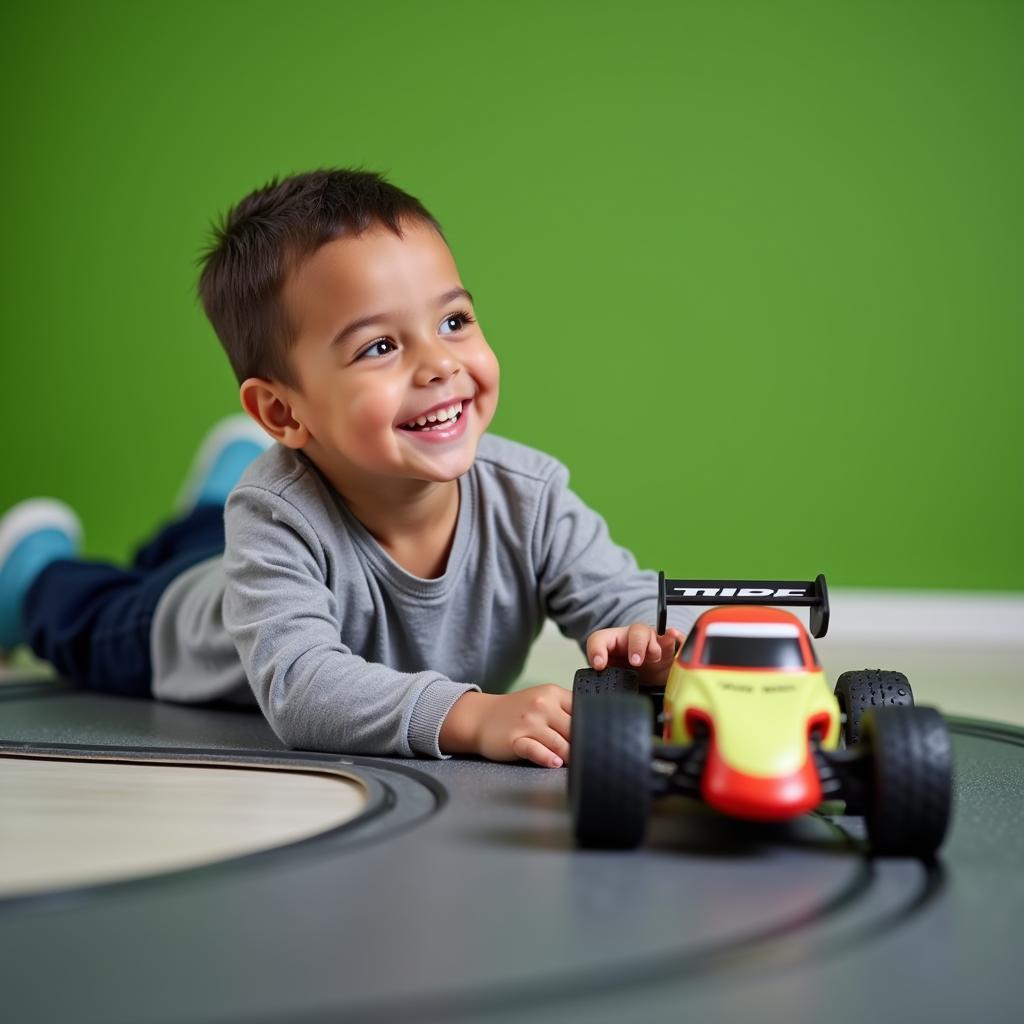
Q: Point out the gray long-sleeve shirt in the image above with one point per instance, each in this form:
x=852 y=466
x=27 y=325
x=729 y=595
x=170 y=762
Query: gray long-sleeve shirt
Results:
x=343 y=649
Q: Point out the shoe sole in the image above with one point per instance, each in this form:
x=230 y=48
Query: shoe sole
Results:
x=37 y=514
x=234 y=428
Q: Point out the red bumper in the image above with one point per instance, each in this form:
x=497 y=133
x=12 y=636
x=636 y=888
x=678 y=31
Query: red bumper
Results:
x=758 y=798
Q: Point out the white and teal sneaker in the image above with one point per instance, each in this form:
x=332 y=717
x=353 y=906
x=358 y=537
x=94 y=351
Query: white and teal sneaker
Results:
x=223 y=456
x=33 y=534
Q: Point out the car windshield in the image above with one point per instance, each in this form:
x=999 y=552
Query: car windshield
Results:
x=752 y=646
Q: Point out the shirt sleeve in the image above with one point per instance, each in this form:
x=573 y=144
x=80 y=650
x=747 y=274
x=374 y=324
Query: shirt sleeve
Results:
x=285 y=621
x=587 y=581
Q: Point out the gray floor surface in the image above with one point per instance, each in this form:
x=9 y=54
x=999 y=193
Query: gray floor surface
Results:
x=460 y=897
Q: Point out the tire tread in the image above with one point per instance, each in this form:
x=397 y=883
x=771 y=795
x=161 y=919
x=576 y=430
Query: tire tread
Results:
x=610 y=770
x=909 y=808
x=861 y=690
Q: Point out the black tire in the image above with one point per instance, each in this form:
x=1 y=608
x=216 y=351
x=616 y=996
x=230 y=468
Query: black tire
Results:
x=858 y=692
x=910 y=793
x=588 y=681
x=610 y=770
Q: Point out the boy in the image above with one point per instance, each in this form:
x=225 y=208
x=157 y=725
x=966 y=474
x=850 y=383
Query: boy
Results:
x=387 y=563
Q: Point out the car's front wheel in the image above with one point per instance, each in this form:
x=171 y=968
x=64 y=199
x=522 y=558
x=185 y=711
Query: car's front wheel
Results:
x=610 y=770
x=909 y=796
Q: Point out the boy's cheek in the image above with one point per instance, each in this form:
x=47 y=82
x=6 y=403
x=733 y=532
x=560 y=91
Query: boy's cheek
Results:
x=369 y=411
x=485 y=372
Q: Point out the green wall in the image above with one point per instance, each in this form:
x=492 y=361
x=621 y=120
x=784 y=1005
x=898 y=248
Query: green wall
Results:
x=753 y=270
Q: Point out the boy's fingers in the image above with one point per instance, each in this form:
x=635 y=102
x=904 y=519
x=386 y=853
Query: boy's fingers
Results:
x=533 y=750
x=565 y=700
x=637 y=640
x=608 y=644
x=637 y=644
x=597 y=649
x=561 y=722
x=556 y=743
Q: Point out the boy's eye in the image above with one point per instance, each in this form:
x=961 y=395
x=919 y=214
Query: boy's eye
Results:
x=384 y=346
x=378 y=348
x=456 y=321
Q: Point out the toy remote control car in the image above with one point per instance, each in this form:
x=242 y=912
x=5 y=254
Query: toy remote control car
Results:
x=749 y=725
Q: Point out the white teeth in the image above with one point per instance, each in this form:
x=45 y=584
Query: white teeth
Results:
x=439 y=416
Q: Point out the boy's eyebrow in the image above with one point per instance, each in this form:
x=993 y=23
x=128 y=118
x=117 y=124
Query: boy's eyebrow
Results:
x=367 y=321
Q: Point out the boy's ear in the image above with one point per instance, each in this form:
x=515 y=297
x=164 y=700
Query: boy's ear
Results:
x=269 y=404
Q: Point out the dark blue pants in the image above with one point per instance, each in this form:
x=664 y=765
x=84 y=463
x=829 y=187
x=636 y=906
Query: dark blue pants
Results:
x=91 y=620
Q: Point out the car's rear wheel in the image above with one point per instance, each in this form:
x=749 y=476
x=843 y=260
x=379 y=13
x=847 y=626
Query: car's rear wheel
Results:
x=909 y=796
x=610 y=770
x=610 y=680
x=858 y=692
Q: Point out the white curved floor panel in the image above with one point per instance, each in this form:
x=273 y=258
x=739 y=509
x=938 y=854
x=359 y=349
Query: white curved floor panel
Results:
x=73 y=823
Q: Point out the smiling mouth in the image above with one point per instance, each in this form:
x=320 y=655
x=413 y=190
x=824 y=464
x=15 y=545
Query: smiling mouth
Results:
x=437 y=420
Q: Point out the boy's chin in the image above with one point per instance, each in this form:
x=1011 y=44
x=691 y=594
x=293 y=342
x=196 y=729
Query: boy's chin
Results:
x=444 y=466
x=451 y=468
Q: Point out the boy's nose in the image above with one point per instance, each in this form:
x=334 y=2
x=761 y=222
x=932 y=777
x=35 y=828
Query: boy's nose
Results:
x=436 y=364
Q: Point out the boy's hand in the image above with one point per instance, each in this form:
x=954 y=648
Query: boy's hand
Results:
x=637 y=646
x=532 y=724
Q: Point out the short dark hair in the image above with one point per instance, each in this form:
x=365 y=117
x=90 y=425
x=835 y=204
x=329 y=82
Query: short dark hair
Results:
x=264 y=236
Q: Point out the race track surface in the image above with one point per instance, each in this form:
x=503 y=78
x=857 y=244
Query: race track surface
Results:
x=457 y=895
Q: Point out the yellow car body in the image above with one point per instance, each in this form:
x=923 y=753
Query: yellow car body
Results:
x=759 y=720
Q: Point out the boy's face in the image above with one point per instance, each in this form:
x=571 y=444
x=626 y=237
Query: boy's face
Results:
x=361 y=384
